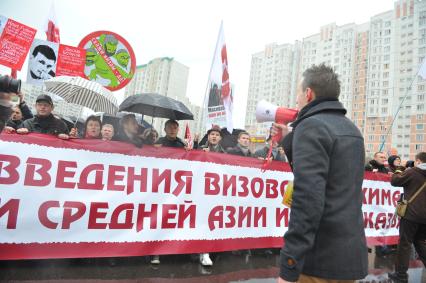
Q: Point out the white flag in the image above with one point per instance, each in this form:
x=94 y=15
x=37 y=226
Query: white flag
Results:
x=218 y=100
x=422 y=71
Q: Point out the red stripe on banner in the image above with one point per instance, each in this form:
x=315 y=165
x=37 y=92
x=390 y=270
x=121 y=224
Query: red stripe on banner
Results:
x=161 y=152
x=84 y=249
x=147 y=151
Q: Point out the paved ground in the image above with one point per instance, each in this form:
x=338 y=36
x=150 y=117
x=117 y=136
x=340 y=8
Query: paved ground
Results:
x=259 y=266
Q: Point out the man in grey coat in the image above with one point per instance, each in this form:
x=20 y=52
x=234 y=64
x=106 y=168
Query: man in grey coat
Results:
x=325 y=239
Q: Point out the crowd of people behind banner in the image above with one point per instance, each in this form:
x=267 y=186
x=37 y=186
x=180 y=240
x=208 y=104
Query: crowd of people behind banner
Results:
x=22 y=121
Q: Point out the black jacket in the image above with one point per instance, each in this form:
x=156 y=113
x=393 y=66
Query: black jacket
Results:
x=45 y=125
x=170 y=143
x=325 y=237
x=263 y=153
x=373 y=164
x=217 y=148
x=236 y=150
x=412 y=179
x=136 y=140
x=26 y=114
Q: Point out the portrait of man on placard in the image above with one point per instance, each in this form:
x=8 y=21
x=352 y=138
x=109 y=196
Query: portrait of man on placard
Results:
x=42 y=61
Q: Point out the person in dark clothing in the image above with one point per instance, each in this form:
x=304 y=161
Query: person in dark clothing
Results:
x=20 y=113
x=171 y=127
x=5 y=108
x=409 y=164
x=242 y=147
x=276 y=154
x=326 y=151
x=214 y=136
x=150 y=136
x=129 y=131
x=394 y=163
x=44 y=122
x=412 y=229
x=377 y=164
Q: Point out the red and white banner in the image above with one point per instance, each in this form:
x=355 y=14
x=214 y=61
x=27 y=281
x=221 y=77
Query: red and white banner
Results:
x=15 y=42
x=90 y=198
x=218 y=102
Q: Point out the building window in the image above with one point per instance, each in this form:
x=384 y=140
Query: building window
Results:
x=419 y=147
x=419 y=137
x=419 y=127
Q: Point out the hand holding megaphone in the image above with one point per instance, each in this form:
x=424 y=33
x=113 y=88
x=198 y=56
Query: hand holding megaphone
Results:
x=268 y=112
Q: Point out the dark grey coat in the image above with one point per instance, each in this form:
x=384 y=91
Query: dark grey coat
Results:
x=326 y=236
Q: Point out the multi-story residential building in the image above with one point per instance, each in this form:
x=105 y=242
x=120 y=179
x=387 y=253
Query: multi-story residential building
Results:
x=377 y=63
x=271 y=78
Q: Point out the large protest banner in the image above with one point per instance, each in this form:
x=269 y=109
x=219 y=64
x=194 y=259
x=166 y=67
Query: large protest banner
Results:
x=15 y=42
x=90 y=198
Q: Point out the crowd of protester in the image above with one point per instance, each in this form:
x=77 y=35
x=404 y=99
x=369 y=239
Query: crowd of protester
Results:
x=22 y=121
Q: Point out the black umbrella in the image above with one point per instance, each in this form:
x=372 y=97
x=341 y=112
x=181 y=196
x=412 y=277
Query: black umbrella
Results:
x=156 y=105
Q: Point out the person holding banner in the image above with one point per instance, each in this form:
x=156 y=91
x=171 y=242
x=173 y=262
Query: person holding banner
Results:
x=171 y=127
x=214 y=136
x=44 y=122
x=92 y=128
x=242 y=147
x=325 y=241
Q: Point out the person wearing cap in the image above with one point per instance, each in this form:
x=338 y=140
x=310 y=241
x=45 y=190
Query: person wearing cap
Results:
x=214 y=136
x=171 y=127
x=44 y=122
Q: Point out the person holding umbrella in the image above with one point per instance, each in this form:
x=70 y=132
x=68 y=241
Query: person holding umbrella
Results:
x=171 y=127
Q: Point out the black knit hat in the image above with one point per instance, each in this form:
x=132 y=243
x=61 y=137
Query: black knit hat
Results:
x=392 y=159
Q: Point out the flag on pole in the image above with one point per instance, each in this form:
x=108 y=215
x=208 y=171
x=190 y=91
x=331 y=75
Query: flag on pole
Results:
x=51 y=28
x=188 y=137
x=14 y=73
x=422 y=71
x=218 y=101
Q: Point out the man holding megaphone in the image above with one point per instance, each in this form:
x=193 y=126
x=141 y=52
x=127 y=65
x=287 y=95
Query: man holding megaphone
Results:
x=325 y=241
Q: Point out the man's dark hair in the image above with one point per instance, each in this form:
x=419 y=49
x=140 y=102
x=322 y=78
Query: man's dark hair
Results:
x=322 y=80
x=171 y=122
x=91 y=118
x=421 y=156
x=46 y=50
x=243 y=133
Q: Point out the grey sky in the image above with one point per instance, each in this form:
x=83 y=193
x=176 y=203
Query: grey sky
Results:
x=187 y=29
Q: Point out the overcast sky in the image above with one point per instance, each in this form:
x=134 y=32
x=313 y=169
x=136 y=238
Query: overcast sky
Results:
x=187 y=30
